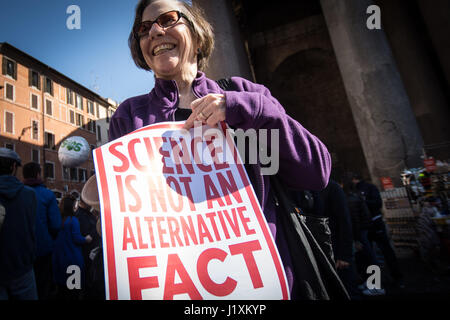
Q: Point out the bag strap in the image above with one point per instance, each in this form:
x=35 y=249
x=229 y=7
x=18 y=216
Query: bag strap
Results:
x=225 y=84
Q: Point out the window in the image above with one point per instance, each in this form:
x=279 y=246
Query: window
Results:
x=35 y=155
x=49 y=170
x=90 y=106
x=79 y=102
x=49 y=107
x=35 y=130
x=71 y=116
x=69 y=96
x=99 y=133
x=73 y=174
x=34 y=79
x=34 y=102
x=48 y=86
x=66 y=173
x=49 y=142
x=80 y=120
x=9 y=68
x=109 y=114
x=91 y=125
x=82 y=175
x=9 y=91
x=9 y=122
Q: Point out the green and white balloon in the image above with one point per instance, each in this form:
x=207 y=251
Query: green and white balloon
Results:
x=73 y=151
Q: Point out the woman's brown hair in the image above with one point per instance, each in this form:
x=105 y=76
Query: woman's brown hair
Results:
x=201 y=29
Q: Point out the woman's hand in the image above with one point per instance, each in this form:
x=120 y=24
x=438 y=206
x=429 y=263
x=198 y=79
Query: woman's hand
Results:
x=210 y=110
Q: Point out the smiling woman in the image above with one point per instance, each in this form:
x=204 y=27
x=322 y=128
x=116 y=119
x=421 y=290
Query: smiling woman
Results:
x=201 y=29
x=174 y=40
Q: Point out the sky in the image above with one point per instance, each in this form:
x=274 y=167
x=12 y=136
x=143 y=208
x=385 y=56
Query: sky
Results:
x=96 y=55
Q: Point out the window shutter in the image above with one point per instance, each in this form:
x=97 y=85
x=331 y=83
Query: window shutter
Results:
x=51 y=87
x=9 y=91
x=15 y=71
x=48 y=85
x=4 y=66
x=30 y=77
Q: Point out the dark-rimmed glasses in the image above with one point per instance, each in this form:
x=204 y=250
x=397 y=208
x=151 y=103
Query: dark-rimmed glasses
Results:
x=165 y=20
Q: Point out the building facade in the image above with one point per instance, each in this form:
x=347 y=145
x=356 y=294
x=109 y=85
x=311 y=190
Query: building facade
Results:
x=377 y=97
x=39 y=108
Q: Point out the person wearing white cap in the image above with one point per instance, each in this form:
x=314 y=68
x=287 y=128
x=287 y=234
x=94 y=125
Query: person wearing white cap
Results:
x=17 y=232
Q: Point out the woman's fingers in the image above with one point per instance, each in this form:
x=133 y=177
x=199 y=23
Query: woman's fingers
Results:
x=190 y=121
x=209 y=109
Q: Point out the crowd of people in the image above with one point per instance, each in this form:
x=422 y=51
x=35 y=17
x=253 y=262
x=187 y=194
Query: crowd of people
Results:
x=43 y=245
x=358 y=233
x=41 y=240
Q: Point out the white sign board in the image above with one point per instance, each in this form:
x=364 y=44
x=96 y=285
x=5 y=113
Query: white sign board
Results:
x=180 y=219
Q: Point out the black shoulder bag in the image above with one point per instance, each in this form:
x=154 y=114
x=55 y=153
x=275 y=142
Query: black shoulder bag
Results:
x=315 y=274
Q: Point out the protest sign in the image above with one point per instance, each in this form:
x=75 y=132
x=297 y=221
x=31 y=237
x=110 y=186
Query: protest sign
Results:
x=180 y=219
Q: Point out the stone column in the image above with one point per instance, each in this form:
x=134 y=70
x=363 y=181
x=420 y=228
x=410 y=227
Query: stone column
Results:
x=229 y=57
x=386 y=125
x=422 y=82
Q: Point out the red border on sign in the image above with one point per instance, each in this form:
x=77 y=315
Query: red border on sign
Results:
x=108 y=221
x=108 y=228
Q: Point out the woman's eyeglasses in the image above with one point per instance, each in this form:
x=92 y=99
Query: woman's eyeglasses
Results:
x=165 y=20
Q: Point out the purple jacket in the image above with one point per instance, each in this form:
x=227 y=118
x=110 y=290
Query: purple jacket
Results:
x=304 y=160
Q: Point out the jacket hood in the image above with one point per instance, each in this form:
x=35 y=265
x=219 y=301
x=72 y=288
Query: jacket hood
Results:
x=10 y=186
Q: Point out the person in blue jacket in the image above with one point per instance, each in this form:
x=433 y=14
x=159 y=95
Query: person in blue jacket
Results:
x=17 y=232
x=48 y=223
x=67 y=255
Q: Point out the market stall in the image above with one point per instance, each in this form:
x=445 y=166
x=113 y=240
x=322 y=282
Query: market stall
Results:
x=417 y=214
